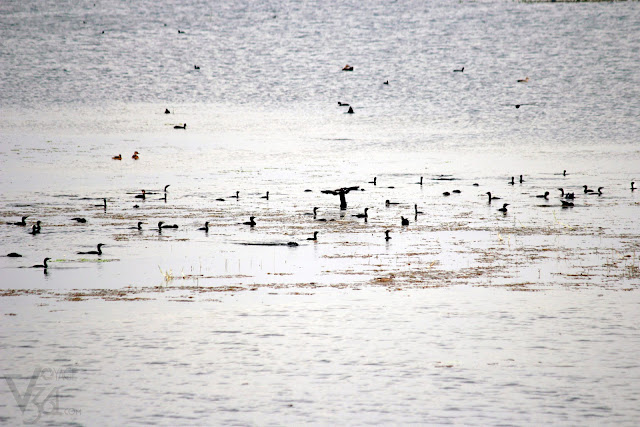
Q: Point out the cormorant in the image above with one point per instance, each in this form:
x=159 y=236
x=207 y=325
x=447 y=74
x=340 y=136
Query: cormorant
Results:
x=23 y=222
x=362 y=215
x=491 y=197
x=184 y=126
x=118 y=157
x=388 y=203
x=525 y=80
x=375 y=179
x=543 y=196
x=80 y=220
x=265 y=197
x=205 y=228
x=141 y=196
x=504 y=208
x=404 y=221
x=98 y=252
x=315 y=236
x=461 y=70
x=135 y=155
x=14 y=255
x=251 y=221
x=512 y=181
x=43 y=265
x=386 y=235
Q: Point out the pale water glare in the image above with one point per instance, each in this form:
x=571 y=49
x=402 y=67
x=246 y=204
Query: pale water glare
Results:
x=467 y=315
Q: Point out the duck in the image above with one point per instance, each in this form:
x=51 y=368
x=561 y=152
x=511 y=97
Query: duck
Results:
x=461 y=70
x=543 y=196
x=389 y=203
x=491 y=197
x=141 y=196
x=315 y=236
x=362 y=215
x=43 y=265
x=118 y=157
x=135 y=155
x=205 y=228
x=525 y=80
x=251 y=221
x=347 y=68
x=23 y=222
x=503 y=209
x=404 y=221
x=184 y=126
x=79 y=220
x=265 y=197
x=98 y=252
x=386 y=235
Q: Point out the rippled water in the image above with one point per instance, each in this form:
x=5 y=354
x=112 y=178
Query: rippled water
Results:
x=348 y=329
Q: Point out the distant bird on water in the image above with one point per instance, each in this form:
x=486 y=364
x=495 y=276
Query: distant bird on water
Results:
x=251 y=221
x=135 y=155
x=362 y=215
x=98 y=252
x=205 y=228
x=543 y=196
x=118 y=157
x=80 y=220
x=461 y=70
x=389 y=203
x=421 y=178
x=265 y=197
x=315 y=236
x=385 y=83
x=14 y=255
x=166 y=111
x=386 y=235
x=23 y=222
x=503 y=209
x=184 y=126
x=404 y=221
x=141 y=196
x=525 y=80
x=43 y=265
x=195 y=67
x=375 y=179
x=632 y=186
x=521 y=180
x=161 y=225
x=347 y=68
x=417 y=212
x=343 y=104
x=350 y=111
x=512 y=181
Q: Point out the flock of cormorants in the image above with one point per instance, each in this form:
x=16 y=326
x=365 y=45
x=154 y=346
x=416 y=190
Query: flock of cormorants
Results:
x=566 y=199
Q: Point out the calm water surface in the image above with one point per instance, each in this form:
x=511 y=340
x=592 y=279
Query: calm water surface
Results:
x=233 y=326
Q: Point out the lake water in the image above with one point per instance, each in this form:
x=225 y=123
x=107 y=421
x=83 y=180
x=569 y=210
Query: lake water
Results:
x=467 y=315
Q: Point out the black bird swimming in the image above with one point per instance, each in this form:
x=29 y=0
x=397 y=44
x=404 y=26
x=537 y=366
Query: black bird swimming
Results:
x=385 y=83
x=195 y=67
x=491 y=197
x=386 y=235
x=180 y=32
x=265 y=197
x=587 y=189
x=141 y=196
x=632 y=186
x=184 y=126
x=420 y=181
x=389 y=203
x=251 y=221
x=456 y=191
x=362 y=215
x=166 y=111
x=80 y=220
x=512 y=181
x=166 y=186
x=564 y=172
x=103 y=205
x=342 y=104
x=504 y=208
x=237 y=196
x=315 y=236
x=34 y=230
x=543 y=196
x=98 y=252
x=517 y=106
x=38 y=226
x=23 y=222
x=43 y=265
x=219 y=200
x=461 y=70
x=415 y=207
x=566 y=204
x=599 y=192
x=139 y=226
x=350 y=110
x=205 y=228
x=446 y=193
x=161 y=225
x=404 y=221
x=375 y=179
x=521 y=180
x=14 y=255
